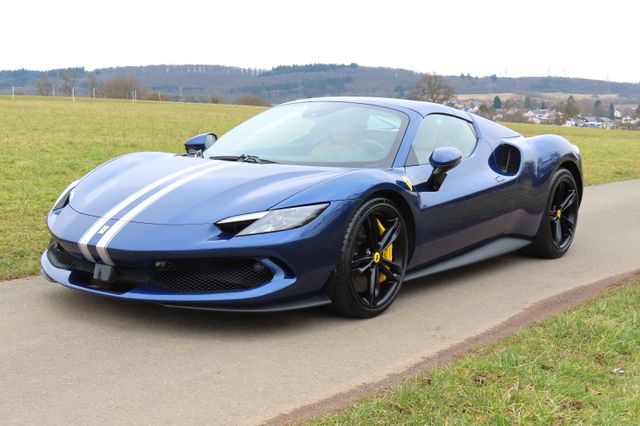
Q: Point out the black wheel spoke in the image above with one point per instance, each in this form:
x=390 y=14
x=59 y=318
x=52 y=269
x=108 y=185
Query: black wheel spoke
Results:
x=393 y=266
x=390 y=274
x=557 y=195
x=390 y=235
x=569 y=224
x=373 y=283
x=568 y=200
x=557 y=231
x=372 y=233
x=362 y=264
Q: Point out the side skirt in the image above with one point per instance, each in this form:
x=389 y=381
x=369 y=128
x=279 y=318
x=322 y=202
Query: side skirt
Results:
x=492 y=249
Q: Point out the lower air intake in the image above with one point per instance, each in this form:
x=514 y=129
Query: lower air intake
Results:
x=193 y=275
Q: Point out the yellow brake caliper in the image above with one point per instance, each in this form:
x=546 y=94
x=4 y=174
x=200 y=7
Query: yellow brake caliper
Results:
x=386 y=253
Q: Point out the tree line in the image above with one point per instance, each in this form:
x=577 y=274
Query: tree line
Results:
x=124 y=87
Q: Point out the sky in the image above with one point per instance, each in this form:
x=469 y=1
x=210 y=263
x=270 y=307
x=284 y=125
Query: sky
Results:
x=584 y=39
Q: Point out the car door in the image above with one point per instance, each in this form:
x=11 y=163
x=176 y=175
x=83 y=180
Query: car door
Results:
x=473 y=204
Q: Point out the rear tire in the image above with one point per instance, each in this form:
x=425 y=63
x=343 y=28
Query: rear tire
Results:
x=372 y=262
x=558 y=224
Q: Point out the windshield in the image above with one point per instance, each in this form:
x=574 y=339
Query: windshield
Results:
x=318 y=133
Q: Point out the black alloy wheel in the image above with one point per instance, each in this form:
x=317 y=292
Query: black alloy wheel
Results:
x=558 y=226
x=373 y=261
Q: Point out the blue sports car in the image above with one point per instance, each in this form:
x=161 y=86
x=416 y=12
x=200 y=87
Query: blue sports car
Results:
x=318 y=201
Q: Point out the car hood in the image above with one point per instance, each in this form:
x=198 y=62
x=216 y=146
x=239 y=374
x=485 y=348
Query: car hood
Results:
x=160 y=188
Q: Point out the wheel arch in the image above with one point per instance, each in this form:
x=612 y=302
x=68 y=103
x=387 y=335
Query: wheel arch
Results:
x=575 y=171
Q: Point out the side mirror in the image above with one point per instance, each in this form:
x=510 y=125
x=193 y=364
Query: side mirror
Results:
x=200 y=142
x=442 y=160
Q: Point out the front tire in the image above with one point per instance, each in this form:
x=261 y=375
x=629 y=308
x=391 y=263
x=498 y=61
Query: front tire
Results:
x=559 y=221
x=372 y=262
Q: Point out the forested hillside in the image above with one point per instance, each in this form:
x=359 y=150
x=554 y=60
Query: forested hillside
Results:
x=200 y=82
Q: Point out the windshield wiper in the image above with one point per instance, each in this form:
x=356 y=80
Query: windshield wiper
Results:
x=244 y=158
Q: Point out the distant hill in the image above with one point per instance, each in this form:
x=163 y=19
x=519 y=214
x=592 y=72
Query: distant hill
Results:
x=198 y=82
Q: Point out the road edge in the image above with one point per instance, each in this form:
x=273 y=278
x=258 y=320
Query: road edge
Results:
x=538 y=311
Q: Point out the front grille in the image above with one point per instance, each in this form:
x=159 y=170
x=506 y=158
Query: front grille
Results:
x=194 y=275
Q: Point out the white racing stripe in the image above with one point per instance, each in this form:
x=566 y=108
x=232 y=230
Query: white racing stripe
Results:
x=86 y=237
x=102 y=244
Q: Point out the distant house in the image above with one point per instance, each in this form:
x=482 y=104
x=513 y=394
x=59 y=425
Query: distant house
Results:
x=605 y=122
x=541 y=116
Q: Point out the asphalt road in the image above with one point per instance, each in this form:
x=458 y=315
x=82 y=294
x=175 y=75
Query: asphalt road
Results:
x=67 y=357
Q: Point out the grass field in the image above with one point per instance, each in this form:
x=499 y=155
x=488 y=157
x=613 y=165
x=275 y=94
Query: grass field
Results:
x=47 y=143
x=581 y=367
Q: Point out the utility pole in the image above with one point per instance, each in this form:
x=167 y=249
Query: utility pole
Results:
x=94 y=93
x=73 y=94
x=13 y=93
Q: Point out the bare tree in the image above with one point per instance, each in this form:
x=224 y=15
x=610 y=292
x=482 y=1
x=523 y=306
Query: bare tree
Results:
x=122 y=86
x=432 y=88
x=68 y=82
x=217 y=98
x=93 y=83
x=251 y=99
x=484 y=110
x=43 y=86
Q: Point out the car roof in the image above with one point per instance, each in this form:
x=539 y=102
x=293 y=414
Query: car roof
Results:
x=422 y=108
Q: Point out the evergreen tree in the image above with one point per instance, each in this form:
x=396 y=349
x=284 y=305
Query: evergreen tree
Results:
x=612 y=112
x=571 y=109
x=598 y=109
x=527 y=103
x=497 y=102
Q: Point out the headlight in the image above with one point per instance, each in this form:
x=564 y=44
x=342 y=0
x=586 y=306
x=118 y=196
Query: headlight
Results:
x=271 y=221
x=65 y=197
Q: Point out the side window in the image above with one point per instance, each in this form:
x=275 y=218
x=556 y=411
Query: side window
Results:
x=438 y=130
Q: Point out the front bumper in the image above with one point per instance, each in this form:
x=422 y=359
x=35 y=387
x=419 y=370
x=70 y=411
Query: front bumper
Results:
x=300 y=261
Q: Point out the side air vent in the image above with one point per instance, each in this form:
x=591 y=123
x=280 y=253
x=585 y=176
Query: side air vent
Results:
x=507 y=159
